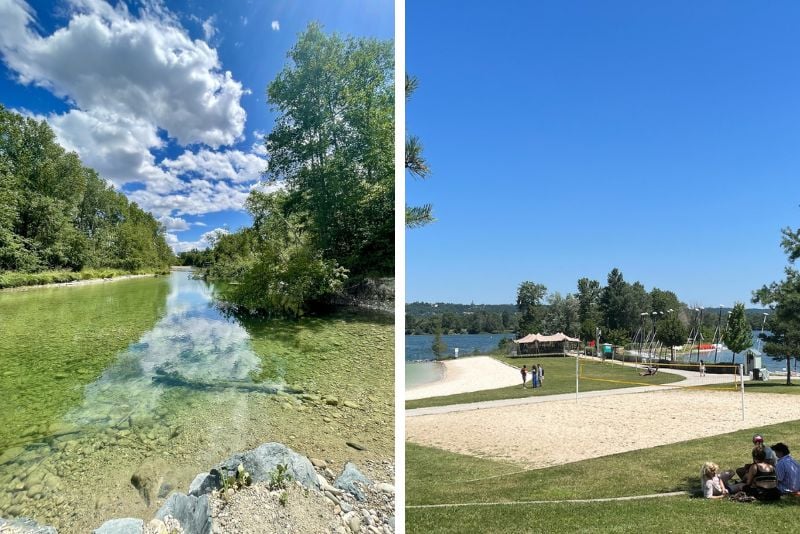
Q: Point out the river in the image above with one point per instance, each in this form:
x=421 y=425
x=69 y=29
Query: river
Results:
x=152 y=376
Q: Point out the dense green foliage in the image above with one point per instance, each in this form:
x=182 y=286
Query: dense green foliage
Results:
x=671 y=331
x=783 y=297
x=332 y=154
x=57 y=214
x=737 y=335
x=616 y=309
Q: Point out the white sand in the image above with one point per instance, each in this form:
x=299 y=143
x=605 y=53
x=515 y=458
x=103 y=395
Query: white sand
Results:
x=551 y=433
x=475 y=373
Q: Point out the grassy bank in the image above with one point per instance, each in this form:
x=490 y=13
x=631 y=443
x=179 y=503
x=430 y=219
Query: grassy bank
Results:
x=559 y=378
x=11 y=279
x=437 y=477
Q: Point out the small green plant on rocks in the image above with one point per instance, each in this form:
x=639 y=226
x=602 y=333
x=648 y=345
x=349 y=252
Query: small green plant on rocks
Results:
x=241 y=479
x=279 y=478
x=284 y=498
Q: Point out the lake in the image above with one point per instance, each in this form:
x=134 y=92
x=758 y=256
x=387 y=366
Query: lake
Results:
x=419 y=367
x=152 y=376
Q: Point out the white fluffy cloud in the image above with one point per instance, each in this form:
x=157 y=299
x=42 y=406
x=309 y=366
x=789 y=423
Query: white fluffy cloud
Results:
x=195 y=197
x=174 y=224
x=146 y=67
x=130 y=79
x=276 y=25
x=201 y=244
x=233 y=165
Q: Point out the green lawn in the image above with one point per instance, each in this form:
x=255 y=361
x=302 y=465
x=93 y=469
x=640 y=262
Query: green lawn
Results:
x=435 y=477
x=559 y=378
x=773 y=386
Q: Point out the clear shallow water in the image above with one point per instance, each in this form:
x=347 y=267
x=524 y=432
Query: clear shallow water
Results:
x=150 y=376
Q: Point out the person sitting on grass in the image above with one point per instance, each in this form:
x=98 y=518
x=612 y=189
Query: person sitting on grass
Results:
x=787 y=470
x=648 y=371
x=760 y=481
x=712 y=484
x=758 y=441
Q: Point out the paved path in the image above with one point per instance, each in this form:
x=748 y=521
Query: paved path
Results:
x=691 y=378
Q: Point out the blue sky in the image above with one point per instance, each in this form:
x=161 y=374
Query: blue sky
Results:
x=166 y=100
x=570 y=137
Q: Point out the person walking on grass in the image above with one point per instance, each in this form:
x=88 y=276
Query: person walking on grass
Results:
x=540 y=372
x=787 y=470
x=534 y=377
x=524 y=373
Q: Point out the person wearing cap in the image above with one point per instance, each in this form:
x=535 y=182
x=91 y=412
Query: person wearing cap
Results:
x=769 y=454
x=787 y=470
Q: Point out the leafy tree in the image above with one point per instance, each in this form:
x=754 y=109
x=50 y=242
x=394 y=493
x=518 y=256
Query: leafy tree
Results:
x=417 y=167
x=439 y=347
x=783 y=297
x=286 y=274
x=332 y=146
x=529 y=304
x=561 y=315
x=671 y=331
x=737 y=336
x=57 y=214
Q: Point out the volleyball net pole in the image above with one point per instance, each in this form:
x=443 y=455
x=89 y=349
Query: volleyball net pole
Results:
x=577 y=358
x=741 y=384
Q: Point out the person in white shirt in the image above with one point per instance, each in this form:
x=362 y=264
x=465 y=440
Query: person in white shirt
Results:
x=711 y=483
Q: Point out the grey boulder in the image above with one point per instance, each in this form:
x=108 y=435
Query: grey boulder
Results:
x=23 y=525
x=193 y=513
x=127 y=525
x=262 y=461
x=346 y=481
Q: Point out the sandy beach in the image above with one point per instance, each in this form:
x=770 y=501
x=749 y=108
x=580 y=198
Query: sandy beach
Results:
x=475 y=373
x=532 y=435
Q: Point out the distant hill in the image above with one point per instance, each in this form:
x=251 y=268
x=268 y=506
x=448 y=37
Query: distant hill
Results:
x=425 y=309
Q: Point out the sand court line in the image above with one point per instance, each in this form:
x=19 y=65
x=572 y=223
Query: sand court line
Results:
x=540 y=435
x=567 y=501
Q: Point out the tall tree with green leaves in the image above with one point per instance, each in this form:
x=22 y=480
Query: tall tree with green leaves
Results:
x=529 y=304
x=438 y=347
x=332 y=146
x=738 y=335
x=417 y=167
x=671 y=331
x=783 y=297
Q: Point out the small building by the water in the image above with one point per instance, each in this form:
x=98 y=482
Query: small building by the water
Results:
x=558 y=344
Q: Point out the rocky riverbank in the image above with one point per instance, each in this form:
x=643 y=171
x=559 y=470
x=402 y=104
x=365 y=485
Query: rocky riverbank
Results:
x=263 y=490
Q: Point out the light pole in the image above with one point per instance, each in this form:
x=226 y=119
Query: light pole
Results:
x=717 y=341
x=760 y=338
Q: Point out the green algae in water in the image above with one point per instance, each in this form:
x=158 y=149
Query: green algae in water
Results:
x=56 y=341
x=119 y=417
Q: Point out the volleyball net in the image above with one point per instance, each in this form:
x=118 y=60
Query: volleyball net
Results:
x=717 y=376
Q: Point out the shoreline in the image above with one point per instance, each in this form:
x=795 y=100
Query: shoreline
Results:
x=76 y=283
x=464 y=375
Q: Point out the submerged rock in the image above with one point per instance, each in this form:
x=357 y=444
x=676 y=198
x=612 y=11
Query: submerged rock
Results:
x=264 y=460
x=126 y=525
x=23 y=525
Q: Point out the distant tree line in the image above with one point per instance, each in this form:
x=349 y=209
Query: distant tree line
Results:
x=619 y=309
x=331 y=220
x=56 y=213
